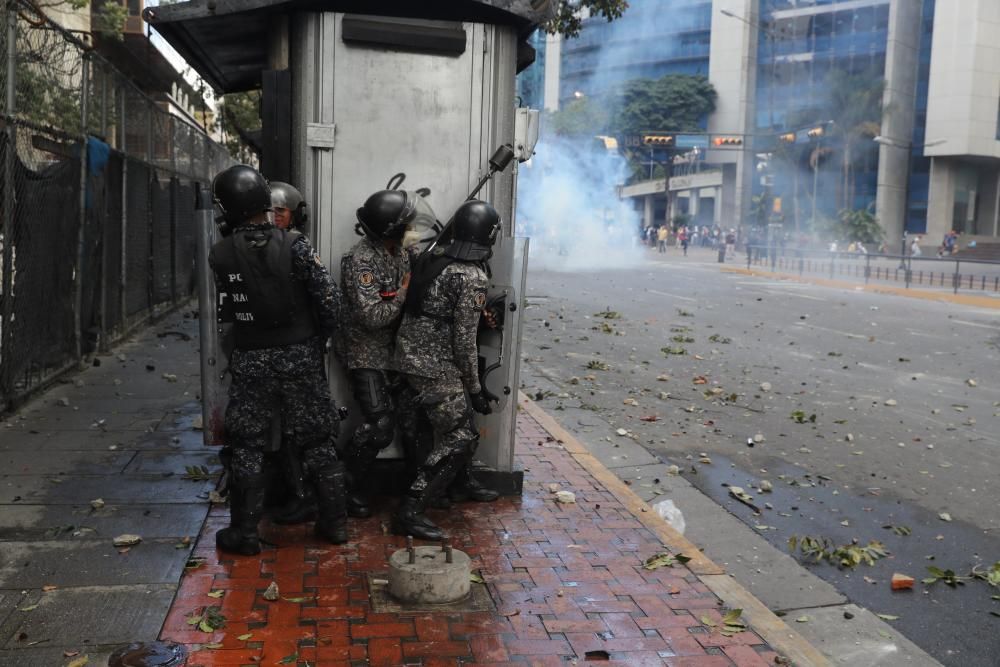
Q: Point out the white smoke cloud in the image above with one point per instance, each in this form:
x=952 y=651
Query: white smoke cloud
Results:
x=568 y=204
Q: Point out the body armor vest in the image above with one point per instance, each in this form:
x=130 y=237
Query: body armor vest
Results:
x=426 y=268
x=257 y=291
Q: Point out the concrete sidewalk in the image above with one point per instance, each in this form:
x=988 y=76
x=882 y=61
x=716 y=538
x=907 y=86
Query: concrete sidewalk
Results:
x=100 y=455
x=562 y=582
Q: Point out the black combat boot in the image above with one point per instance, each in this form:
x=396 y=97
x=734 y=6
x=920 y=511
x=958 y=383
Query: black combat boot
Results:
x=246 y=503
x=358 y=498
x=298 y=509
x=409 y=518
x=466 y=487
x=329 y=484
x=301 y=504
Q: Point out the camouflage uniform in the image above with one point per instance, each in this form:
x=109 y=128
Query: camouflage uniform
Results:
x=288 y=378
x=374 y=295
x=284 y=305
x=437 y=351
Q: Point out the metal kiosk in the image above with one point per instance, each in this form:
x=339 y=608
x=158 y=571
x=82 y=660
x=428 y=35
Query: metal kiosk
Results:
x=356 y=91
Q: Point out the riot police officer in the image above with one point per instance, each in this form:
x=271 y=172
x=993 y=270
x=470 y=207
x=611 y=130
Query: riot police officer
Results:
x=289 y=212
x=436 y=349
x=375 y=274
x=284 y=306
x=289 y=207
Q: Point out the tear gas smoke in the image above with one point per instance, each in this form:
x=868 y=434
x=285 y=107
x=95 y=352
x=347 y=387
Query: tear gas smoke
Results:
x=568 y=204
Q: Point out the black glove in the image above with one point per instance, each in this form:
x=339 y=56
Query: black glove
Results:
x=480 y=403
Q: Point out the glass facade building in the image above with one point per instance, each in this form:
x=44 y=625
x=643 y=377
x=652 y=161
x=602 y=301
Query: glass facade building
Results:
x=652 y=38
x=801 y=42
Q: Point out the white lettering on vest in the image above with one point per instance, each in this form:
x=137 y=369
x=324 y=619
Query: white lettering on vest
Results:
x=235 y=278
x=244 y=317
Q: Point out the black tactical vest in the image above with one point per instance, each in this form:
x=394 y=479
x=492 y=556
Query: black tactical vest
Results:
x=424 y=270
x=257 y=291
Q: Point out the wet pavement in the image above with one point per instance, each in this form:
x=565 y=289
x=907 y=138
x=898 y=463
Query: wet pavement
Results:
x=98 y=456
x=906 y=424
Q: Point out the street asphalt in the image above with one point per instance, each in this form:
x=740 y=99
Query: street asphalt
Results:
x=874 y=417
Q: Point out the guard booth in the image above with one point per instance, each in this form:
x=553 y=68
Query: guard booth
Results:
x=357 y=91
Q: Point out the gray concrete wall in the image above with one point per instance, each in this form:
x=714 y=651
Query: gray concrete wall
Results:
x=902 y=60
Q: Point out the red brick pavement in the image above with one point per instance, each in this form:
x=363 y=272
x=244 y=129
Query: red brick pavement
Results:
x=567 y=581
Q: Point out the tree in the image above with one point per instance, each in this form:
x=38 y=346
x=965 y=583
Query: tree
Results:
x=856 y=109
x=238 y=116
x=567 y=21
x=672 y=103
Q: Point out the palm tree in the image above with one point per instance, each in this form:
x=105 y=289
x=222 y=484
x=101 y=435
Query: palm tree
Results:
x=856 y=108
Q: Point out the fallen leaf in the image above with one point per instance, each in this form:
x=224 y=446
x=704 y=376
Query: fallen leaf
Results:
x=888 y=617
x=29 y=608
x=802 y=619
x=476 y=578
x=245 y=637
x=944 y=516
x=289 y=659
x=709 y=622
x=213 y=646
x=216 y=594
x=79 y=662
x=49 y=588
x=664 y=560
x=70 y=654
x=301 y=599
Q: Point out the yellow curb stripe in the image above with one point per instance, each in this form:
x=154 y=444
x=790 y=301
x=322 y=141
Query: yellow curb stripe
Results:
x=960 y=299
x=771 y=629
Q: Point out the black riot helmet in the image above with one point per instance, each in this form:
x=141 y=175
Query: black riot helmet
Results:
x=385 y=215
x=240 y=192
x=474 y=231
x=288 y=197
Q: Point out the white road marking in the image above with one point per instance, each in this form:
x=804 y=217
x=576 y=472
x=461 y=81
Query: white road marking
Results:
x=675 y=296
x=977 y=324
x=801 y=296
x=842 y=333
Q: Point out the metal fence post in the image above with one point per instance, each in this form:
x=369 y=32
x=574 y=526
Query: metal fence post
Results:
x=123 y=274
x=957 y=278
x=868 y=268
x=81 y=239
x=6 y=334
x=150 y=217
x=208 y=321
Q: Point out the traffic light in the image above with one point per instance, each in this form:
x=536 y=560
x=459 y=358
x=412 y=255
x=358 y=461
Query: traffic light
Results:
x=816 y=132
x=658 y=139
x=728 y=141
x=787 y=138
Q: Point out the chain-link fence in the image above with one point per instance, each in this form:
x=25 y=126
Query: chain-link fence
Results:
x=97 y=187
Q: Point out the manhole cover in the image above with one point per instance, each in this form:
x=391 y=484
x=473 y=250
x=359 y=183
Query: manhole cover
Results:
x=382 y=603
x=149 y=654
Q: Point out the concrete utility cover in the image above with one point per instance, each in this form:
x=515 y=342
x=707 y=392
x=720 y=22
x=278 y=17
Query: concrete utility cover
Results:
x=429 y=575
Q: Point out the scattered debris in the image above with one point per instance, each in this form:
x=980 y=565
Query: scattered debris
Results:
x=553 y=488
x=565 y=497
x=944 y=516
x=891 y=402
x=210 y=620
x=765 y=486
x=901 y=582
x=848 y=555
x=97 y=503
x=271 y=594
x=126 y=540
x=664 y=560
x=169 y=377
x=197 y=473
x=800 y=417
x=971 y=382
x=597 y=365
x=765 y=386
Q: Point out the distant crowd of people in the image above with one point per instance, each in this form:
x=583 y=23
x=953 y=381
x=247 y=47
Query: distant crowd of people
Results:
x=661 y=237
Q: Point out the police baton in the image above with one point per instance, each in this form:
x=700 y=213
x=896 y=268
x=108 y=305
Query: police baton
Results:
x=499 y=161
